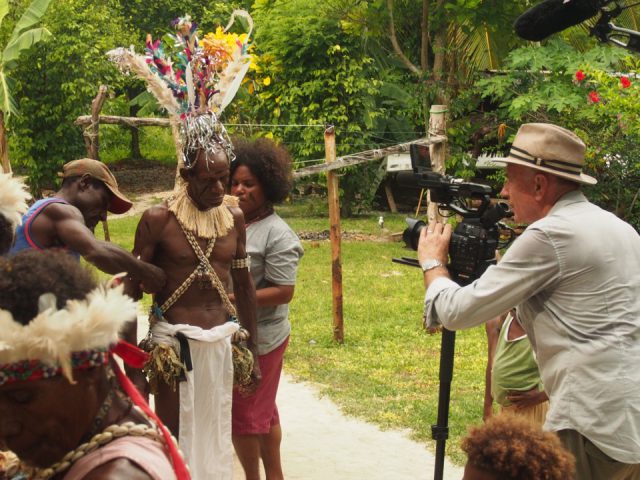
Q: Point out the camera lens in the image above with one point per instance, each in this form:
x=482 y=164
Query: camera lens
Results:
x=411 y=235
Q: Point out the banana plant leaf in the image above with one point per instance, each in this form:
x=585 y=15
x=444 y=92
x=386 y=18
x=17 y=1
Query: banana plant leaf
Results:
x=29 y=18
x=23 y=42
x=4 y=9
x=8 y=104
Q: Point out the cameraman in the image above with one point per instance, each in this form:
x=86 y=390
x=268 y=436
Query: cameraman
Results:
x=574 y=275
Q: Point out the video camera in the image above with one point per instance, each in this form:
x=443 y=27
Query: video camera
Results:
x=475 y=239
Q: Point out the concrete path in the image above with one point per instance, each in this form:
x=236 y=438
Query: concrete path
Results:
x=320 y=443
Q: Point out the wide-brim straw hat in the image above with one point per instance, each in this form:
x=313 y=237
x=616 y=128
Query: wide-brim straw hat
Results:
x=552 y=149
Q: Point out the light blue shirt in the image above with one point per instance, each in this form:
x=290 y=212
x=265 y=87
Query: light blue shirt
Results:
x=574 y=276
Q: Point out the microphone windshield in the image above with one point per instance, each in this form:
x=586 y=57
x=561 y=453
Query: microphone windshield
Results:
x=552 y=16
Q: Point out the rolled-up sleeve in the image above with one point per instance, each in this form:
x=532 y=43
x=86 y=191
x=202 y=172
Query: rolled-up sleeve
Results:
x=530 y=265
x=282 y=258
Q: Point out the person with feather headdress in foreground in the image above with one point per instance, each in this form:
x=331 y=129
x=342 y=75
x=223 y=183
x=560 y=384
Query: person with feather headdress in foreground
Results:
x=198 y=238
x=67 y=412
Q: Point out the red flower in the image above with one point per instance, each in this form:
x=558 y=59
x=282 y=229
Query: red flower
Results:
x=594 y=97
x=625 y=82
x=580 y=76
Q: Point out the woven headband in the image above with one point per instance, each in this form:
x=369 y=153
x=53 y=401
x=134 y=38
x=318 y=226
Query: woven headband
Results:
x=27 y=370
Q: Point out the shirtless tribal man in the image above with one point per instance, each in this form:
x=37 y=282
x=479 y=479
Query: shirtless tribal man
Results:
x=198 y=238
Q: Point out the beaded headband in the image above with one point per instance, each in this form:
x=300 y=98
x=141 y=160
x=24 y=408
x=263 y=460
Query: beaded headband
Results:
x=193 y=80
x=58 y=341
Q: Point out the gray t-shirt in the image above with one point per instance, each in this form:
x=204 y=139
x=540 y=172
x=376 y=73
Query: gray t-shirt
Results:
x=275 y=251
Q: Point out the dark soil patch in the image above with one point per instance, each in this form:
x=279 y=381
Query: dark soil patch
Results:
x=351 y=236
x=137 y=177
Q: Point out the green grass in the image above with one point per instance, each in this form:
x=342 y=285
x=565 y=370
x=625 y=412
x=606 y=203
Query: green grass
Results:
x=386 y=371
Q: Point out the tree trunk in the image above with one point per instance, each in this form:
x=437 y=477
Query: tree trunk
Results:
x=424 y=36
x=4 y=147
x=135 y=133
x=440 y=55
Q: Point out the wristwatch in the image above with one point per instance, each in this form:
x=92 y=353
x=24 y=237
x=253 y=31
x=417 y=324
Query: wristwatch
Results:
x=430 y=264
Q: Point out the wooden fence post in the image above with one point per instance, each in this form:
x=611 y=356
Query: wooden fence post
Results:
x=92 y=142
x=335 y=235
x=437 y=152
x=90 y=133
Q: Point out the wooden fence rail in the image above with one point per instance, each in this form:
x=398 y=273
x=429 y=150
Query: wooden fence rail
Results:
x=363 y=157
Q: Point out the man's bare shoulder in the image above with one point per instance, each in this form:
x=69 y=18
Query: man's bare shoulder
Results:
x=62 y=211
x=237 y=213
x=153 y=223
x=158 y=214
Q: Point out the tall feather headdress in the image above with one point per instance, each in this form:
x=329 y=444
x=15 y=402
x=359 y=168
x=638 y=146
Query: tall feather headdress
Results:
x=193 y=79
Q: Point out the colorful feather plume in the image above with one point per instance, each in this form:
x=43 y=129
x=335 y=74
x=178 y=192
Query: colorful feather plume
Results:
x=129 y=61
x=202 y=76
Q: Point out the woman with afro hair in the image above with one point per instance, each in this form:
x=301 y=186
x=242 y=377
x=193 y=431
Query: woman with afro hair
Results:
x=509 y=447
x=261 y=178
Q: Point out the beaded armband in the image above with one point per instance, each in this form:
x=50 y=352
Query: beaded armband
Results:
x=240 y=262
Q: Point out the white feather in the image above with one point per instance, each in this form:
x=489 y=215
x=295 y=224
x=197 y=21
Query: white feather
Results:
x=191 y=94
x=129 y=61
x=53 y=335
x=13 y=198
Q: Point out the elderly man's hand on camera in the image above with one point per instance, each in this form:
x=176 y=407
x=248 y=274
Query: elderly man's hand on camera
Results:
x=434 y=245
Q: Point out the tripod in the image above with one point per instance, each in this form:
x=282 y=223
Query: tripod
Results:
x=440 y=431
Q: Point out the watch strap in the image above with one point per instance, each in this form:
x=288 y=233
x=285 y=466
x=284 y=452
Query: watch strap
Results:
x=430 y=264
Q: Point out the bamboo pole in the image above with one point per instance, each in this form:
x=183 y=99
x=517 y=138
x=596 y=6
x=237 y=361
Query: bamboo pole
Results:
x=334 y=235
x=129 y=122
x=437 y=152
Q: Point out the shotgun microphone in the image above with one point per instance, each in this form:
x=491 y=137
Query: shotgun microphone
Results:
x=552 y=16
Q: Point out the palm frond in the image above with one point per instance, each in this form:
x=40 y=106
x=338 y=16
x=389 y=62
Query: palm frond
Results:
x=477 y=48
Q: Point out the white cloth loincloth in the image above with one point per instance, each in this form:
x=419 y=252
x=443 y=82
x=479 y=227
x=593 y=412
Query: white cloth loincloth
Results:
x=205 y=398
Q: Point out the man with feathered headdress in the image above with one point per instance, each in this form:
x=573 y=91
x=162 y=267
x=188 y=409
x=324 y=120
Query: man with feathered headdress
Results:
x=198 y=238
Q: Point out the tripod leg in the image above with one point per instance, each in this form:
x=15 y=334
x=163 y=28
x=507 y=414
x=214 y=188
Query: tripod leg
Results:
x=440 y=431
